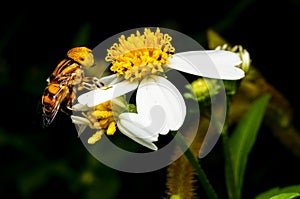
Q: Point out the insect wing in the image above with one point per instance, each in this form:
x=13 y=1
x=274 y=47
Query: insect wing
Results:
x=54 y=95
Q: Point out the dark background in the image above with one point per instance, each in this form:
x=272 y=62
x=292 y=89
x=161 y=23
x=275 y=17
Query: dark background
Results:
x=41 y=163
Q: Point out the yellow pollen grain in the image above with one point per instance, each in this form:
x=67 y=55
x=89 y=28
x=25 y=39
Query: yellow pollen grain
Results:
x=104 y=106
x=102 y=114
x=104 y=123
x=102 y=119
x=133 y=56
x=111 y=128
x=95 y=137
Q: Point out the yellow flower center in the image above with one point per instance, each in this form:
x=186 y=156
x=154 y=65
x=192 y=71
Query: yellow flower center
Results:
x=102 y=119
x=140 y=55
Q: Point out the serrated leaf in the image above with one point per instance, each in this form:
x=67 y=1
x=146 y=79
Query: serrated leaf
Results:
x=240 y=143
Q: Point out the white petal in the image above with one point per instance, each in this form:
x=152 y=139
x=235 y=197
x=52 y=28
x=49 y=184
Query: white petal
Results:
x=137 y=128
x=98 y=96
x=135 y=121
x=158 y=91
x=79 y=120
x=110 y=79
x=80 y=107
x=218 y=64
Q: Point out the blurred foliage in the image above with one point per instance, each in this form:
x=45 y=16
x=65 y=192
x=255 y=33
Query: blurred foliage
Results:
x=287 y=192
x=279 y=115
x=253 y=104
x=238 y=145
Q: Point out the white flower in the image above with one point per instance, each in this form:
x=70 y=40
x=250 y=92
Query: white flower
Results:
x=160 y=105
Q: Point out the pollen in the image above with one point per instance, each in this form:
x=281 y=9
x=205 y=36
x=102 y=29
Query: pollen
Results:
x=102 y=114
x=95 y=137
x=102 y=120
x=140 y=55
x=111 y=128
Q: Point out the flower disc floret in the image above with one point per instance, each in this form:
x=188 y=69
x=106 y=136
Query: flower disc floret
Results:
x=100 y=118
x=140 y=55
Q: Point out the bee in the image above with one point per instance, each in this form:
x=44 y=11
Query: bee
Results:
x=62 y=83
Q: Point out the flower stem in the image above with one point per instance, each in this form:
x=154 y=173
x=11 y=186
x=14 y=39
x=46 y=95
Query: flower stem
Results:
x=211 y=194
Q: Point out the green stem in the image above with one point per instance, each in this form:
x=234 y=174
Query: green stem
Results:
x=196 y=165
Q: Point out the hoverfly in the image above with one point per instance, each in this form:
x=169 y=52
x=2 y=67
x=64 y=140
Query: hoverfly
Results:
x=61 y=84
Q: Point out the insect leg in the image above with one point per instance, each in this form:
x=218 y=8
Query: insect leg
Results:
x=71 y=99
x=91 y=83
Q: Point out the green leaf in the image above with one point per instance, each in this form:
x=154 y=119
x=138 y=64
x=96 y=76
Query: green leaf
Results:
x=285 y=196
x=238 y=146
x=82 y=36
x=285 y=192
x=214 y=39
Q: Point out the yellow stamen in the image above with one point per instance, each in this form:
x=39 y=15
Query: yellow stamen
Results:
x=102 y=114
x=111 y=128
x=102 y=119
x=104 y=106
x=104 y=123
x=96 y=125
x=95 y=137
x=139 y=55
